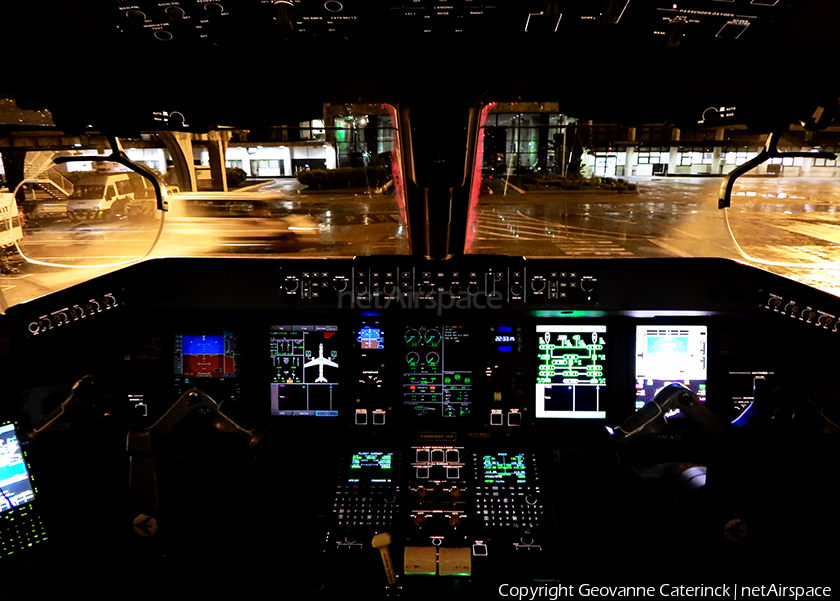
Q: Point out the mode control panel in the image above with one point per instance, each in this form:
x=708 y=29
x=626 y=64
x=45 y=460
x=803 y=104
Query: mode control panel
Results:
x=377 y=284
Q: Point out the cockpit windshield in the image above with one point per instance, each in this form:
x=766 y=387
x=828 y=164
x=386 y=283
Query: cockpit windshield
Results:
x=331 y=186
x=544 y=184
x=555 y=186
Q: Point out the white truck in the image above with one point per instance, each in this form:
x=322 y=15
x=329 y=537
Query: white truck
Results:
x=106 y=195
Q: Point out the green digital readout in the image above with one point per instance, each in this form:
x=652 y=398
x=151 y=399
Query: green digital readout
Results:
x=374 y=467
x=502 y=468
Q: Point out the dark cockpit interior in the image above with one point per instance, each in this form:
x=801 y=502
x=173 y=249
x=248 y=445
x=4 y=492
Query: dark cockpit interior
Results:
x=433 y=423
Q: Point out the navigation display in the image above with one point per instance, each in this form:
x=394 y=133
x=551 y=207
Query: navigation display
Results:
x=305 y=364
x=668 y=354
x=571 y=380
x=15 y=483
x=437 y=374
x=206 y=355
x=505 y=469
x=373 y=467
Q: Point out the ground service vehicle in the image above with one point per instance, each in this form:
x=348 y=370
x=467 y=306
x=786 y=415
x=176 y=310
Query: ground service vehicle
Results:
x=461 y=390
x=102 y=195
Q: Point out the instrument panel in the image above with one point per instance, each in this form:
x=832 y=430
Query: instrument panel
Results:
x=362 y=371
x=469 y=425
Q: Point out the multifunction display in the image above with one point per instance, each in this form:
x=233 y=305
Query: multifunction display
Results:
x=504 y=468
x=570 y=371
x=373 y=467
x=437 y=374
x=15 y=484
x=668 y=354
x=305 y=363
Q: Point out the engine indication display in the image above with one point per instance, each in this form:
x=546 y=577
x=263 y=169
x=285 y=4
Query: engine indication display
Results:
x=305 y=370
x=570 y=371
x=437 y=378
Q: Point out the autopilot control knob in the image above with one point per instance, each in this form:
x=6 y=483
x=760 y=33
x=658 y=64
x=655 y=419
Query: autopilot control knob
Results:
x=339 y=285
x=291 y=285
x=472 y=289
x=361 y=289
x=455 y=492
x=419 y=520
x=455 y=521
x=516 y=289
x=389 y=289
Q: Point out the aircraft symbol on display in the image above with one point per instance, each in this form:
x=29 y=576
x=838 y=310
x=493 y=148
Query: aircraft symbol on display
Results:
x=321 y=361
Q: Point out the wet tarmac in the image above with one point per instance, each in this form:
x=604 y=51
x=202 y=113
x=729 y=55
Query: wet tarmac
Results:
x=779 y=224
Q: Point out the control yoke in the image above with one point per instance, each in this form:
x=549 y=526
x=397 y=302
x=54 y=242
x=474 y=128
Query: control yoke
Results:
x=651 y=419
x=143 y=469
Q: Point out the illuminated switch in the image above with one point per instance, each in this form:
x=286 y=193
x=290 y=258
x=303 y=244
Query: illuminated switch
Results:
x=422 y=473
x=479 y=550
x=379 y=417
x=437 y=456
x=454 y=561
x=496 y=418
x=453 y=473
x=453 y=456
x=420 y=561
x=422 y=456
x=361 y=417
x=514 y=418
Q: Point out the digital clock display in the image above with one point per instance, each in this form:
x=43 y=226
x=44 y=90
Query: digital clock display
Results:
x=505 y=338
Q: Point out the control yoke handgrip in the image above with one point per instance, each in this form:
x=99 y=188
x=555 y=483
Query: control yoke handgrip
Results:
x=651 y=419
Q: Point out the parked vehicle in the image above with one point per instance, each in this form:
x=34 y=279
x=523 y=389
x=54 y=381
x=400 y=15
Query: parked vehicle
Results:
x=105 y=195
x=10 y=222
